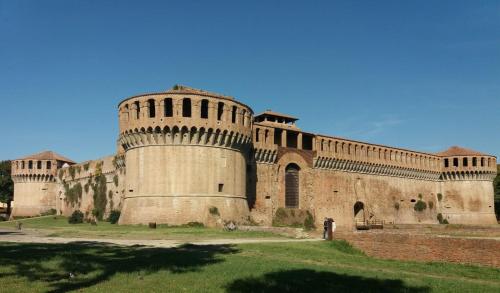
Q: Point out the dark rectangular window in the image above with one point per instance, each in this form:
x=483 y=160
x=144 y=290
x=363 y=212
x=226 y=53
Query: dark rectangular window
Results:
x=474 y=162
x=446 y=163
x=204 y=109
x=465 y=162
x=39 y=165
x=277 y=136
x=49 y=165
x=151 y=107
x=221 y=187
x=455 y=162
x=186 y=107
x=167 y=108
x=233 y=114
x=220 y=110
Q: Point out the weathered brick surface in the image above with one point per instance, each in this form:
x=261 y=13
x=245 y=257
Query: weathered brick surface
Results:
x=405 y=246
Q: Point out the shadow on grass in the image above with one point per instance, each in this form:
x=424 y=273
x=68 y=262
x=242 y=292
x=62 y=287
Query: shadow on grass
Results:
x=91 y=263
x=305 y=280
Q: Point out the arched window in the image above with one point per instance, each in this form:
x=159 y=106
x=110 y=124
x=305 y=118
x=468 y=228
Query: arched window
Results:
x=30 y=164
x=204 y=109
x=49 y=165
x=39 y=164
x=233 y=114
x=168 y=110
x=292 y=186
x=186 y=107
x=126 y=113
x=257 y=133
x=220 y=110
x=151 y=108
x=137 y=109
x=243 y=114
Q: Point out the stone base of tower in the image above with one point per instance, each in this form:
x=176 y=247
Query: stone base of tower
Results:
x=178 y=210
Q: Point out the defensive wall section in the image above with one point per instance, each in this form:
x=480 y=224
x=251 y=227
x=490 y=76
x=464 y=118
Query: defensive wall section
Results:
x=186 y=154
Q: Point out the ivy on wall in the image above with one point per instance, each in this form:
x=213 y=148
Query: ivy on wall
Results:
x=99 y=188
x=73 y=194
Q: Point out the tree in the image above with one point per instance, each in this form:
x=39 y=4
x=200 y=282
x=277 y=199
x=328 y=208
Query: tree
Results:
x=6 y=184
x=496 y=186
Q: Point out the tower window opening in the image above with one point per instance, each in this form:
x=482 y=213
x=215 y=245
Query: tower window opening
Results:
x=243 y=114
x=266 y=135
x=233 y=114
x=221 y=187
x=465 y=162
x=257 y=133
x=167 y=108
x=126 y=114
x=482 y=162
x=30 y=165
x=277 y=136
x=204 y=109
x=39 y=164
x=186 y=107
x=220 y=110
x=151 y=107
x=137 y=109
x=446 y=163
x=49 y=165
x=455 y=162
x=474 y=162
x=22 y=165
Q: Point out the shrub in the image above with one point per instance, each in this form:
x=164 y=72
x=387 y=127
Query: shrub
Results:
x=396 y=206
x=445 y=221
x=420 y=206
x=280 y=215
x=440 y=196
x=72 y=172
x=86 y=166
x=194 y=225
x=214 y=211
x=114 y=216
x=440 y=218
x=431 y=204
x=76 y=217
x=420 y=195
x=309 y=221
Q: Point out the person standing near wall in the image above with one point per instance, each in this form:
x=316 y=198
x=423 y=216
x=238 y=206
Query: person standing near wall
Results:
x=325 y=227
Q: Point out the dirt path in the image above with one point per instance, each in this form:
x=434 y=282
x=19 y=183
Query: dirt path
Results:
x=8 y=235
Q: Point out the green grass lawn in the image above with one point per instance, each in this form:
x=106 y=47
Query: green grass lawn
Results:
x=263 y=267
x=59 y=227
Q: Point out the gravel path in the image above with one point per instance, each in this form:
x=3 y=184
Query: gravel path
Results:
x=7 y=235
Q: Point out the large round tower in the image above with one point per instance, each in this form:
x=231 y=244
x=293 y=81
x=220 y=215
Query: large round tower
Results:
x=186 y=152
x=34 y=179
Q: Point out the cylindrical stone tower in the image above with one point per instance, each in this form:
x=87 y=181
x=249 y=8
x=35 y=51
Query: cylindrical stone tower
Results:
x=34 y=179
x=186 y=152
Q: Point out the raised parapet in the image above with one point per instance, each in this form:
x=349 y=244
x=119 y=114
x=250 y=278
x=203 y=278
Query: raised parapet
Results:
x=186 y=150
x=34 y=179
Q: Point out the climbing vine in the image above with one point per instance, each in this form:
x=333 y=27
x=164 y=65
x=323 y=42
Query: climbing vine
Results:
x=99 y=188
x=73 y=194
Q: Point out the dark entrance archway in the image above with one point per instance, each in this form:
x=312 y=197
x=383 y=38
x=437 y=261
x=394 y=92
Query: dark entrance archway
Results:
x=359 y=211
x=292 y=186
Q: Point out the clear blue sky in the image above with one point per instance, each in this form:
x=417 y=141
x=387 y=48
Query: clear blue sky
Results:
x=422 y=75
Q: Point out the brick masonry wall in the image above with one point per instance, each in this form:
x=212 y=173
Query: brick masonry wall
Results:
x=405 y=246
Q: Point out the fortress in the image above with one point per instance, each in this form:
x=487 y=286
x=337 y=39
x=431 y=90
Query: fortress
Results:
x=187 y=155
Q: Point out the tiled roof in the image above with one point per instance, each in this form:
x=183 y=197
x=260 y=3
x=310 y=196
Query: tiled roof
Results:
x=271 y=113
x=47 y=155
x=459 y=151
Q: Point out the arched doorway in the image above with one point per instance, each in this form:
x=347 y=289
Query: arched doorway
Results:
x=292 y=186
x=359 y=211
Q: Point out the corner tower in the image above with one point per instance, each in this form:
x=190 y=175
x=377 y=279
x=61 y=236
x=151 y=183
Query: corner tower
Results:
x=467 y=195
x=35 y=184
x=186 y=151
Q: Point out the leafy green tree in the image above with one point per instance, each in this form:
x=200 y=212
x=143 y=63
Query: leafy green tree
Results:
x=6 y=184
